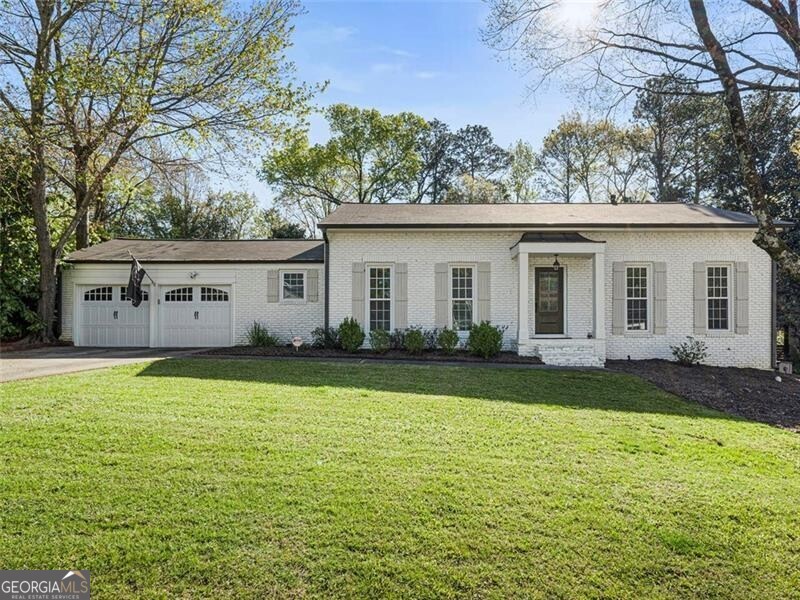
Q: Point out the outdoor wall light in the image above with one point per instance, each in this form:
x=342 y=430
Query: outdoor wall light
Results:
x=556 y=264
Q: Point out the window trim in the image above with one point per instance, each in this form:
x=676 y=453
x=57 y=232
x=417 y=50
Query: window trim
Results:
x=94 y=287
x=729 y=297
x=305 y=286
x=461 y=265
x=650 y=300
x=368 y=300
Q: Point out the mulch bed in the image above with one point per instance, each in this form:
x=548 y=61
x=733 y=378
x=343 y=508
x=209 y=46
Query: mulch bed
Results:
x=432 y=355
x=748 y=393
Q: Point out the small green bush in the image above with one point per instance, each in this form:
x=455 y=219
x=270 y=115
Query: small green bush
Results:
x=397 y=339
x=326 y=337
x=485 y=340
x=258 y=335
x=414 y=341
x=448 y=340
x=691 y=352
x=351 y=335
x=379 y=340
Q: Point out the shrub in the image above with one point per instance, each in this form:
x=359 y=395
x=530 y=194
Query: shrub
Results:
x=379 y=340
x=485 y=340
x=326 y=337
x=258 y=335
x=448 y=340
x=351 y=336
x=414 y=341
x=691 y=352
x=431 y=338
x=397 y=339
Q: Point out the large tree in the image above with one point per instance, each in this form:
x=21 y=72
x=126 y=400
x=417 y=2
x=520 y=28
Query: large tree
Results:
x=370 y=157
x=520 y=179
x=437 y=166
x=736 y=48
x=91 y=83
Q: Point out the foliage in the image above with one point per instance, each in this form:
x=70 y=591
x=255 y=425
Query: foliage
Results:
x=520 y=180
x=691 y=352
x=326 y=337
x=475 y=190
x=438 y=165
x=351 y=335
x=485 y=340
x=271 y=224
x=397 y=339
x=414 y=341
x=448 y=340
x=379 y=340
x=259 y=336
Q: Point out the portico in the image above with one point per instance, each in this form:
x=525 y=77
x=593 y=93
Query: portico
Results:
x=561 y=305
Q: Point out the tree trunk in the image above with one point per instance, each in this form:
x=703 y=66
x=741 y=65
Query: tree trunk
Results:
x=47 y=263
x=767 y=236
x=81 y=192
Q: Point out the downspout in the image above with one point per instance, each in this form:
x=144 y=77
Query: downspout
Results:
x=772 y=339
x=326 y=268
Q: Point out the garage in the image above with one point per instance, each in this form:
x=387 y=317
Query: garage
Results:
x=106 y=317
x=195 y=316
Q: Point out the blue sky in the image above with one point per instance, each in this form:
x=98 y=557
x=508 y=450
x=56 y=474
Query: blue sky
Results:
x=420 y=56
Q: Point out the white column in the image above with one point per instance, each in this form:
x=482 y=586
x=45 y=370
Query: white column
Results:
x=599 y=263
x=522 y=317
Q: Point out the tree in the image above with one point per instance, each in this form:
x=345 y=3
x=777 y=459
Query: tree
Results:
x=476 y=154
x=624 y=165
x=754 y=47
x=370 y=158
x=91 y=83
x=475 y=190
x=556 y=162
x=438 y=165
x=520 y=177
x=271 y=224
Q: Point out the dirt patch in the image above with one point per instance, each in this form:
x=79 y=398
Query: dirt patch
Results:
x=433 y=356
x=748 y=393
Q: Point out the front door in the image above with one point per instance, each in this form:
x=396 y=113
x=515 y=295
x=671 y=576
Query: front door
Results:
x=549 y=301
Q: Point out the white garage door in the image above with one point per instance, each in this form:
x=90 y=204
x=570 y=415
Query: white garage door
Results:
x=194 y=316
x=107 y=318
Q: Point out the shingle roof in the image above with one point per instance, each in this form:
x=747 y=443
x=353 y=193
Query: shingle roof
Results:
x=534 y=216
x=207 y=251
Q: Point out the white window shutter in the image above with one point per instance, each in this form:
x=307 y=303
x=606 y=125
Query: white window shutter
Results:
x=660 y=298
x=401 y=295
x=272 y=285
x=440 y=294
x=700 y=291
x=312 y=283
x=358 y=293
x=742 y=299
x=484 y=291
x=618 y=298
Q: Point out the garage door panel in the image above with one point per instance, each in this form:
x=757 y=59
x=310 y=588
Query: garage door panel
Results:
x=107 y=319
x=196 y=316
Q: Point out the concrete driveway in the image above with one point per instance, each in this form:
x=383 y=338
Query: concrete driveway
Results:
x=41 y=362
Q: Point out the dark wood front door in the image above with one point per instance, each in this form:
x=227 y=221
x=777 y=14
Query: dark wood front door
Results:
x=549 y=301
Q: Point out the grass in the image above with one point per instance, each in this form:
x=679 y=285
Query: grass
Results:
x=270 y=478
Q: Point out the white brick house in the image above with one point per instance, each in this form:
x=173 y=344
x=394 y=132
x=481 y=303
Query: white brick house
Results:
x=572 y=284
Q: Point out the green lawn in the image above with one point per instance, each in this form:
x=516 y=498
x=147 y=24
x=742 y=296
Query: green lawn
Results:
x=265 y=478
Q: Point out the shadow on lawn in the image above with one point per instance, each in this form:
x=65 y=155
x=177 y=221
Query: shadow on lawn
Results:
x=600 y=390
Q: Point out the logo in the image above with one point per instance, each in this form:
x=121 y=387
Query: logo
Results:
x=44 y=585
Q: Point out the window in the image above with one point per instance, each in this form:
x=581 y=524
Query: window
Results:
x=718 y=298
x=380 y=298
x=209 y=294
x=179 y=295
x=123 y=294
x=101 y=294
x=461 y=294
x=293 y=286
x=636 y=298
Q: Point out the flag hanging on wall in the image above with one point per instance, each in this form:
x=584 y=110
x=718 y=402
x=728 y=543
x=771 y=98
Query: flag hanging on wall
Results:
x=135 y=282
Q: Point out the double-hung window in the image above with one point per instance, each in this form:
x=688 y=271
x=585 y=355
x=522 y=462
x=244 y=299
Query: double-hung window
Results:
x=462 y=284
x=293 y=285
x=379 y=294
x=637 y=298
x=718 y=297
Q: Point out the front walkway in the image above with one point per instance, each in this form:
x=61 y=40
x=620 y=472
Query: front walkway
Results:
x=55 y=360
